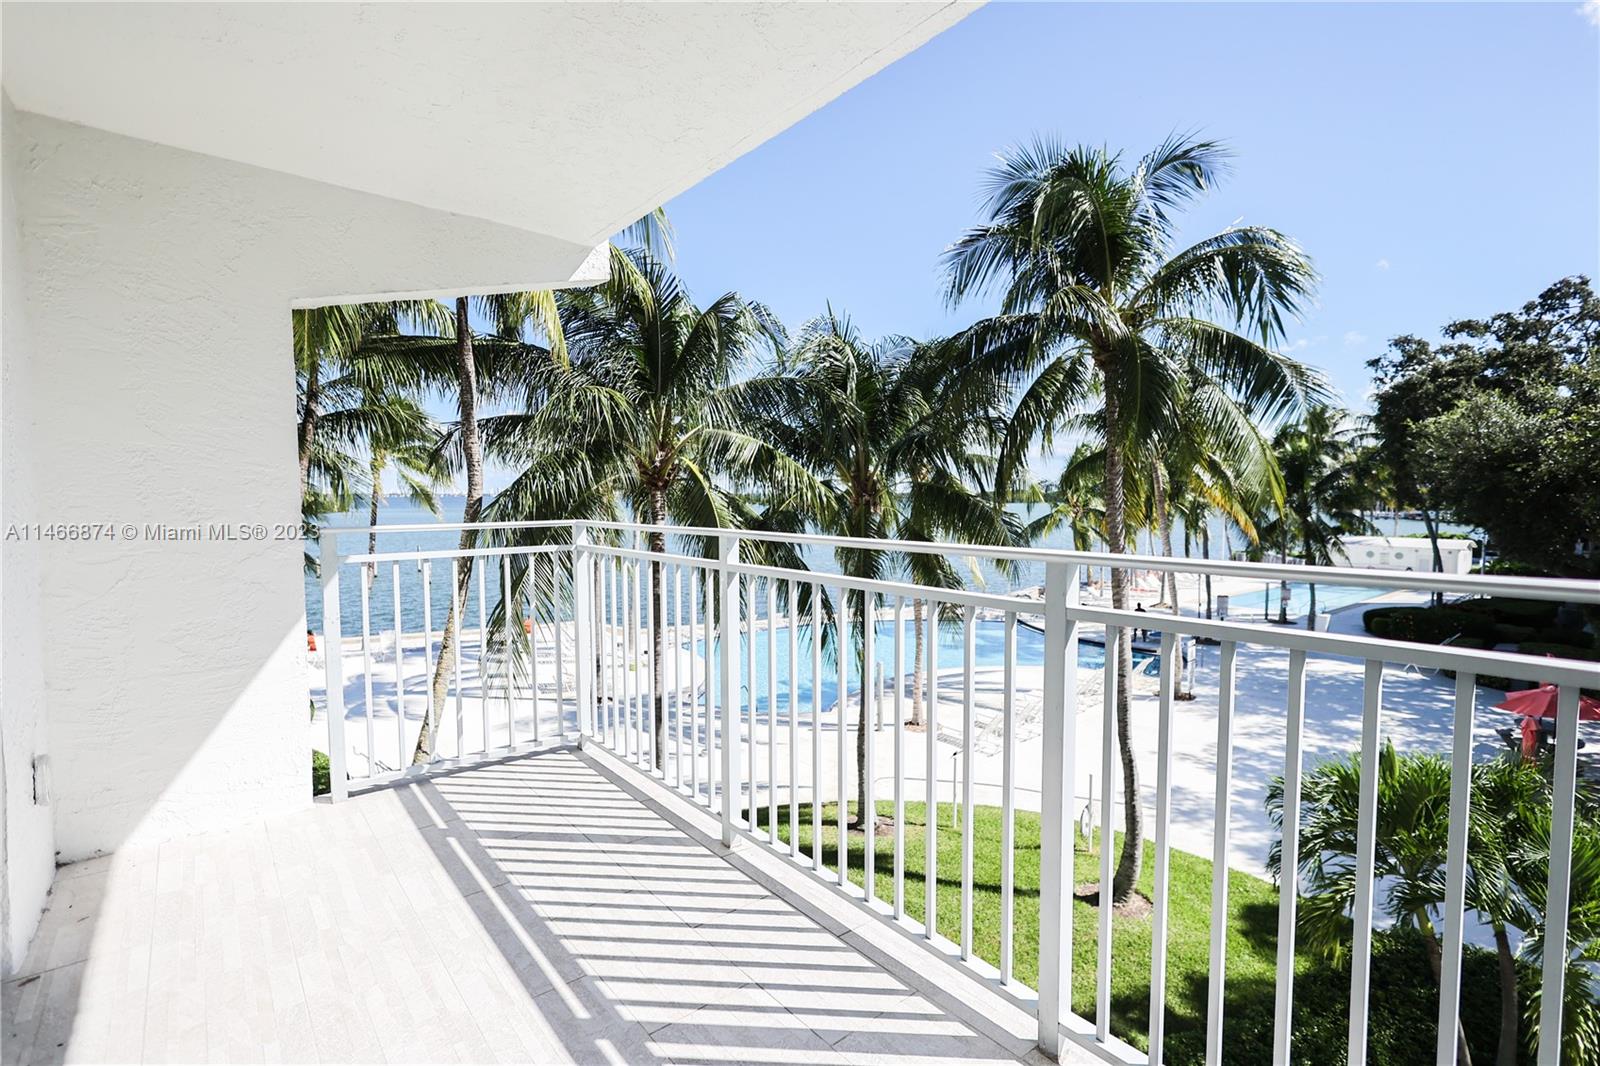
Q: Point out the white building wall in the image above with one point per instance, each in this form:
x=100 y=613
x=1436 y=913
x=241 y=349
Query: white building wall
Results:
x=159 y=290
x=27 y=846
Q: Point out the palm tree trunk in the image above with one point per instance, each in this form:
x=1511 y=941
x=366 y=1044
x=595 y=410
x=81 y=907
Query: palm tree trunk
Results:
x=866 y=813
x=1432 y=526
x=1127 y=875
x=916 y=662
x=1205 y=553
x=1169 y=579
x=308 y=419
x=658 y=545
x=1436 y=961
x=376 y=473
x=1283 y=586
x=1505 y=1053
x=472 y=449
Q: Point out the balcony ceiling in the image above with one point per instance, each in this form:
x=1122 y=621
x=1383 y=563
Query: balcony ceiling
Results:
x=566 y=119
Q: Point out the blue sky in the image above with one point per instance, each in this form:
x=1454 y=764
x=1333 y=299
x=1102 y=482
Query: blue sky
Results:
x=1438 y=161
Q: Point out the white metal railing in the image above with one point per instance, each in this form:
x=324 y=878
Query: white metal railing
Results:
x=564 y=651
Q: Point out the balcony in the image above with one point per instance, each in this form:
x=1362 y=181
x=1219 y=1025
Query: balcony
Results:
x=559 y=875
x=543 y=908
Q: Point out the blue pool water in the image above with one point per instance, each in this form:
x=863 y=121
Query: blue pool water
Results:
x=988 y=652
x=1264 y=603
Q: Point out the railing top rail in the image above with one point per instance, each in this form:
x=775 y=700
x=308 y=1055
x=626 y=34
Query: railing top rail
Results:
x=1537 y=588
x=965 y=597
x=1487 y=663
x=422 y=554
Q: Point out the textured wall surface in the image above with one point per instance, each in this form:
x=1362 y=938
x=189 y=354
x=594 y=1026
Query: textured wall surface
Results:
x=160 y=286
x=27 y=848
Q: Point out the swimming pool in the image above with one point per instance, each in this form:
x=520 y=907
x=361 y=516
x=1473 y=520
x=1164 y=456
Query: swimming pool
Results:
x=988 y=652
x=1264 y=603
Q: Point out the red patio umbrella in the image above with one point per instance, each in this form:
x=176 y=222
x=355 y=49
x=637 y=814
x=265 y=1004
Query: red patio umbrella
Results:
x=1541 y=703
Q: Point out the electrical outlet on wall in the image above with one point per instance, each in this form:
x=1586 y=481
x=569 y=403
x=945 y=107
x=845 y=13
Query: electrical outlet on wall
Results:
x=41 y=780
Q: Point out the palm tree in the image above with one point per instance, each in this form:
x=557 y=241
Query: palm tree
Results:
x=1074 y=500
x=1508 y=846
x=895 y=461
x=350 y=396
x=1213 y=456
x=1409 y=860
x=1322 y=499
x=652 y=418
x=448 y=358
x=1097 y=306
x=416 y=461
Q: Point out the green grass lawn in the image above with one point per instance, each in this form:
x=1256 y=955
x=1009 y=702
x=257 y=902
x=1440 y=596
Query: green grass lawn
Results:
x=1321 y=1014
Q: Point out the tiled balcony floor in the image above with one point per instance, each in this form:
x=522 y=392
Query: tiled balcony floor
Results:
x=527 y=911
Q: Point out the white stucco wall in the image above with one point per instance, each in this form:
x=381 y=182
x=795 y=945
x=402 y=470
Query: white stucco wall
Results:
x=27 y=846
x=158 y=289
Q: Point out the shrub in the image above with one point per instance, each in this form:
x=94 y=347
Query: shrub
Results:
x=1506 y=633
x=1402 y=1020
x=1523 y=612
x=1427 y=625
x=1513 y=568
x=320 y=775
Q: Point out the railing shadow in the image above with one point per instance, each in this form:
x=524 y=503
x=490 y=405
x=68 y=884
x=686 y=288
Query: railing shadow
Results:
x=633 y=942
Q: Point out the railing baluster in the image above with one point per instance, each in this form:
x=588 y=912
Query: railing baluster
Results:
x=816 y=728
x=1366 y=851
x=969 y=655
x=1008 y=799
x=630 y=657
x=557 y=630
x=583 y=631
x=483 y=654
x=333 y=675
x=709 y=684
x=930 y=861
x=728 y=550
x=367 y=573
x=1558 y=891
x=399 y=675
x=677 y=677
x=1289 y=875
x=427 y=657
x=794 y=721
x=842 y=643
x=694 y=688
x=602 y=656
x=899 y=758
x=617 y=648
x=1058 y=792
x=752 y=805
x=1161 y=835
x=1455 y=879
x=1219 y=861
x=533 y=642
x=772 y=712
x=645 y=664
x=458 y=602
x=508 y=622
x=608 y=655
x=643 y=667
x=866 y=721
x=1115 y=635
x=647 y=671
